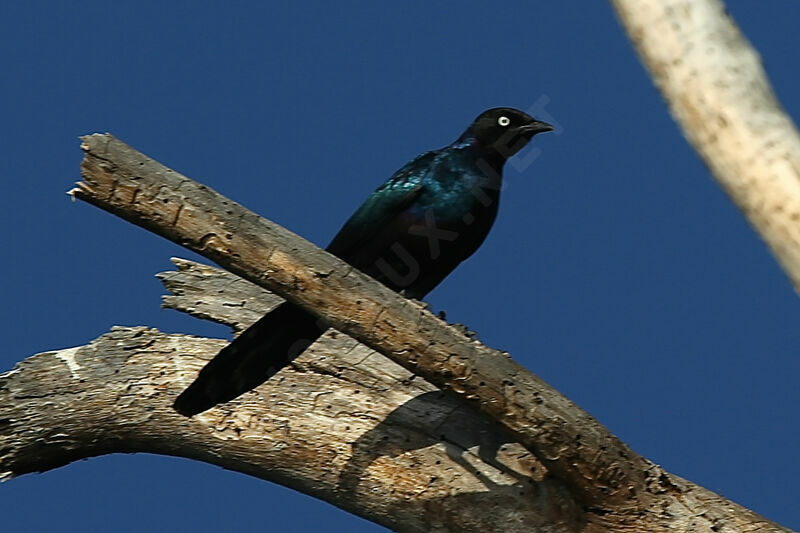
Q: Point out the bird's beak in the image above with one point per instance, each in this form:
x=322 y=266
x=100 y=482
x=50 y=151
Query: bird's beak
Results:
x=536 y=127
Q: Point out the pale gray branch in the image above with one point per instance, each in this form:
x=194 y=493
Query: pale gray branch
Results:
x=343 y=424
x=713 y=81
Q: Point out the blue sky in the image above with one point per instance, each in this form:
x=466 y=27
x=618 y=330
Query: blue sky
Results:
x=617 y=270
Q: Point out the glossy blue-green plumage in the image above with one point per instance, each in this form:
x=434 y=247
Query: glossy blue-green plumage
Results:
x=409 y=234
x=449 y=196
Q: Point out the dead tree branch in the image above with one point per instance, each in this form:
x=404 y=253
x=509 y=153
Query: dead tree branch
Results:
x=343 y=423
x=610 y=487
x=127 y=183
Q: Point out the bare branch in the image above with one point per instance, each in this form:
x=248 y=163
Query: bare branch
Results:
x=343 y=424
x=213 y=294
x=612 y=484
x=139 y=189
x=712 y=80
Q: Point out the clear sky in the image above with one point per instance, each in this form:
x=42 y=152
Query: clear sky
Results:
x=617 y=270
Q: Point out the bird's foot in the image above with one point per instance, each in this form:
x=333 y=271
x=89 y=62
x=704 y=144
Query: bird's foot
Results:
x=464 y=330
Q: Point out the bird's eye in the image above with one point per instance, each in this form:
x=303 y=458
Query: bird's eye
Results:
x=504 y=121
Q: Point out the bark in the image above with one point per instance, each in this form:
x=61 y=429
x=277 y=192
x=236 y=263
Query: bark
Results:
x=343 y=423
x=716 y=89
x=360 y=440
x=127 y=183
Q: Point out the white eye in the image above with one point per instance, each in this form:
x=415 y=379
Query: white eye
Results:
x=504 y=121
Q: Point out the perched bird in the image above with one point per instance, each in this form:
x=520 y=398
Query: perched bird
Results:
x=409 y=234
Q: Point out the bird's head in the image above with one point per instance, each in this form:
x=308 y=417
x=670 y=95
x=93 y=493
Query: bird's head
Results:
x=504 y=130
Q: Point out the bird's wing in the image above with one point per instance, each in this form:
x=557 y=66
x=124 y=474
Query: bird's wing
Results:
x=383 y=206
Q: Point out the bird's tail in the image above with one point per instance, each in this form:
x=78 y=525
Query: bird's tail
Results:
x=253 y=357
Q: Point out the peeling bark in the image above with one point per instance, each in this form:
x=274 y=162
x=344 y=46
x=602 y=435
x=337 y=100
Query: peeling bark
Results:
x=601 y=470
x=343 y=423
x=578 y=476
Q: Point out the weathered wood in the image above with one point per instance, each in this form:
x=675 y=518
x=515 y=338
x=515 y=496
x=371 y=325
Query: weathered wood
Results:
x=616 y=488
x=343 y=423
x=713 y=81
x=137 y=188
x=213 y=294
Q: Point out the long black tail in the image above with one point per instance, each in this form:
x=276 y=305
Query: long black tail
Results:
x=252 y=358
